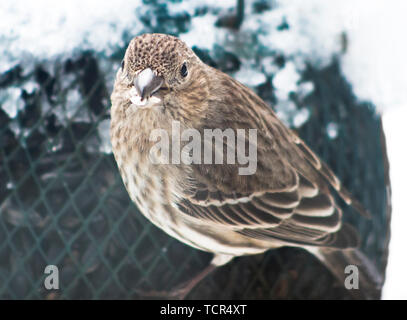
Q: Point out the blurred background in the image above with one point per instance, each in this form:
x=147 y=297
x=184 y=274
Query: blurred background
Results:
x=334 y=71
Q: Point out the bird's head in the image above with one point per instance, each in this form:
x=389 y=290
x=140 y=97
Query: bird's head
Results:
x=158 y=67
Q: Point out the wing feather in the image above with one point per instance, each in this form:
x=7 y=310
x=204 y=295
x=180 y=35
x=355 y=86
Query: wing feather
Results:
x=289 y=197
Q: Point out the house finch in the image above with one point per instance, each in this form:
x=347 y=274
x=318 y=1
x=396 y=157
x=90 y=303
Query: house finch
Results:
x=287 y=201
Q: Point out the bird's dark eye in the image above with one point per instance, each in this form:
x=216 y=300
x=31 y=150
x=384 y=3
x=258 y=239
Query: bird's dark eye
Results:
x=122 y=64
x=184 y=70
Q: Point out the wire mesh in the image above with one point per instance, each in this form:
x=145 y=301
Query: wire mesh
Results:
x=62 y=201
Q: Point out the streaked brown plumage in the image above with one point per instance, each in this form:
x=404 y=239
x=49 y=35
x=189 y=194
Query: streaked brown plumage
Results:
x=287 y=202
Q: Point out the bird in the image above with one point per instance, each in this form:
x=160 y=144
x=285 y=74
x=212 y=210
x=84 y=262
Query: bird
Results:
x=288 y=200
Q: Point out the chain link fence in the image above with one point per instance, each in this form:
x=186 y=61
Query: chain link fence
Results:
x=62 y=201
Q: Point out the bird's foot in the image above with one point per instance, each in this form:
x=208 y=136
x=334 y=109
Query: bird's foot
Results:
x=177 y=293
x=181 y=291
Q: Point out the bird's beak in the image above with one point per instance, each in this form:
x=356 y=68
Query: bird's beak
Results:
x=146 y=83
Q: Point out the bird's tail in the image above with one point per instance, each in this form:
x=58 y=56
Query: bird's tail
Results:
x=353 y=269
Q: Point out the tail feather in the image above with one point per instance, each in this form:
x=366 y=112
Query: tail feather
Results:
x=369 y=279
x=351 y=201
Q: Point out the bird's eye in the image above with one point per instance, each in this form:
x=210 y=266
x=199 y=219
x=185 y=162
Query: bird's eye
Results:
x=122 y=64
x=184 y=70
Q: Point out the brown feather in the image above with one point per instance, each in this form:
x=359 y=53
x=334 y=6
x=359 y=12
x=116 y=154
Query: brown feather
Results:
x=287 y=201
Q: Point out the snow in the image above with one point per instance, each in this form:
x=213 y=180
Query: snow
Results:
x=375 y=63
x=376 y=44
x=202 y=32
x=30 y=86
x=332 y=130
x=394 y=122
x=301 y=117
x=73 y=103
x=249 y=76
x=315 y=34
x=11 y=101
x=304 y=89
x=104 y=134
x=285 y=81
x=189 y=6
x=46 y=28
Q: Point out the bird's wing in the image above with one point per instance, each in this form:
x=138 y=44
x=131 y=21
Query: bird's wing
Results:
x=301 y=216
x=287 y=198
